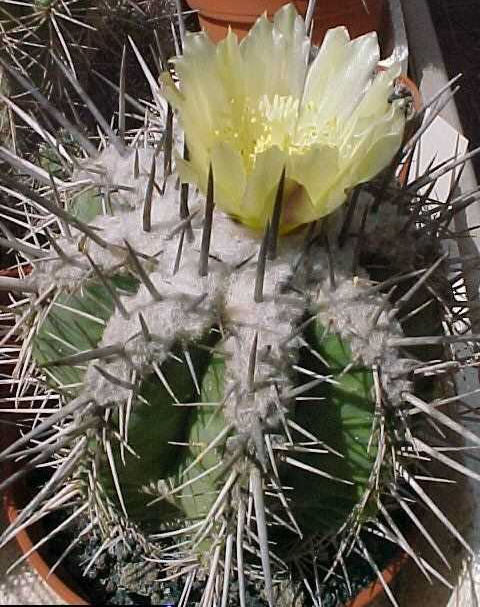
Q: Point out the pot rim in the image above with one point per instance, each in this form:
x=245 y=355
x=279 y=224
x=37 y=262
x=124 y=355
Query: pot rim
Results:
x=35 y=560
x=246 y=12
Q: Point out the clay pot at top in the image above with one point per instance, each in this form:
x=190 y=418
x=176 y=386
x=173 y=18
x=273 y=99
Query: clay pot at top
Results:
x=216 y=15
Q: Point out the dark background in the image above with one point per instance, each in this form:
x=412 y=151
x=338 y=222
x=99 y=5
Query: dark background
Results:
x=457 y=23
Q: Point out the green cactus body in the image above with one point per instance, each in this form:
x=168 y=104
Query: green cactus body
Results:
x=238 y=410
x=206 y=424
x=209 y=407
x=342 y=420
x=75 y=324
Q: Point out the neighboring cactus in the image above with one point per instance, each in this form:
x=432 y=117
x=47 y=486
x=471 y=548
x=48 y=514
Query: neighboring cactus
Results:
x=88 y=37
x=6 y=126
x=232 y=406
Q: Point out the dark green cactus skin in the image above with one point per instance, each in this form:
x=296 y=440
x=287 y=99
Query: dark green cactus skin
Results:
x=152 y=426
x=343 y=420
x=152 y=429
x=206 y=423
x=62 y=327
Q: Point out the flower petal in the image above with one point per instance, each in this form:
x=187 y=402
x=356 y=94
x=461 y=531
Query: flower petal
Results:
x=378 y=156
x=316 y=170
x=376 y=128
x=375 y=101
x=321 y=185
x=338 y=77
x=211 y=77
x=259 y=198
x=378 y=146
x=276 y=54
x=201 y=99
x=229 y=177
x=330 y=57
x=231 y=67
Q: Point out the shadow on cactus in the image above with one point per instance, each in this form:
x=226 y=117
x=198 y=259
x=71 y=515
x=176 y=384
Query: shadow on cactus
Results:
x=237 y=388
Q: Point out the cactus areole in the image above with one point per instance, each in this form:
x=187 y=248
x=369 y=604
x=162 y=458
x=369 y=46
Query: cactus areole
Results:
x=229 y=352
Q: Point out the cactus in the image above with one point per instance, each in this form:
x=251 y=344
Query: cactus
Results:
x=5 y=118
x=233 y=412
x=39 y=37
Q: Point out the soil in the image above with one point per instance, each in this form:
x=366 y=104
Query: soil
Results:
x=102 y=587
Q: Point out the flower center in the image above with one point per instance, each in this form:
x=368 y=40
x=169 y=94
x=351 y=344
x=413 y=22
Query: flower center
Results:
x=279 y=118
x=253 y=128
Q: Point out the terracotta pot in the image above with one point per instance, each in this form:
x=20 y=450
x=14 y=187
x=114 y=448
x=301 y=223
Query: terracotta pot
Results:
x=374 y=590
x=14 y=498
x=216 y=15
x=35 y=560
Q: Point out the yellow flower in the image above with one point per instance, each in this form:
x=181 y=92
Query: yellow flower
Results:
x=253 y=108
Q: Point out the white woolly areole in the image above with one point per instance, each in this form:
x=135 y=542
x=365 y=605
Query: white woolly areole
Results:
x=350 y=310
